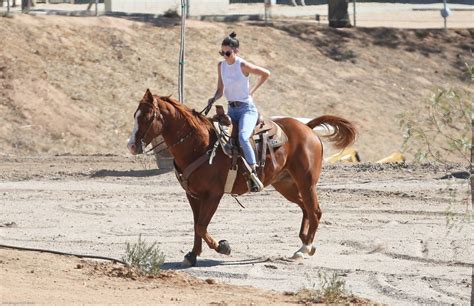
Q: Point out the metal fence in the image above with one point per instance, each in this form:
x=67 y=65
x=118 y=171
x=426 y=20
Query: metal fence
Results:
x=402 y=14
x=59 y=7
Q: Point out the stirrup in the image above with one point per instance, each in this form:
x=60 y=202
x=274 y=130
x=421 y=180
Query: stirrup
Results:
x=255 y=183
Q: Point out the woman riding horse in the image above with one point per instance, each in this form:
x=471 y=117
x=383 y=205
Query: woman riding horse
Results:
x=233 y=81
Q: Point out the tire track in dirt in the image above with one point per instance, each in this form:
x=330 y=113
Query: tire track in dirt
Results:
x=361 y=247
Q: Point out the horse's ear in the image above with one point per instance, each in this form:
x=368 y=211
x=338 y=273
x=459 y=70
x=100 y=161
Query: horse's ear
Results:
x=148 y=97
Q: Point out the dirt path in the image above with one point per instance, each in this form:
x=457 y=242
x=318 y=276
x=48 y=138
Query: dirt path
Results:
x=383 y=231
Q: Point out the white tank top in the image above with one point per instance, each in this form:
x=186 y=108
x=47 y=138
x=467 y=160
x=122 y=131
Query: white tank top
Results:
x=236 y=84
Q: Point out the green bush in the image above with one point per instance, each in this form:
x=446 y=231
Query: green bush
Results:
x=332 y=290
x=148 y=259
x=441 y=131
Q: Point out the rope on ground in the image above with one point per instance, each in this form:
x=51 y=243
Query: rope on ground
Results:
x=235 y=197
x=63 y=253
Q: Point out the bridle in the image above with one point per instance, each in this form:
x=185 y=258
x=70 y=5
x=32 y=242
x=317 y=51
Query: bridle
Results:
x=150 y=124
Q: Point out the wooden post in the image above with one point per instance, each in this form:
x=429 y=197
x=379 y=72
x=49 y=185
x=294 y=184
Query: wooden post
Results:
x=25 y=5
x=338 y=14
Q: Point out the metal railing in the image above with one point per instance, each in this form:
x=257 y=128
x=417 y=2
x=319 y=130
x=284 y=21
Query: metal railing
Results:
x=362 y=13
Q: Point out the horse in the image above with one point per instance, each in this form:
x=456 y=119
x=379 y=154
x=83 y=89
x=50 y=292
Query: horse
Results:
x=293 y=171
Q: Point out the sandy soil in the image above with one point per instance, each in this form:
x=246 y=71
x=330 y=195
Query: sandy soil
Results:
x=384 y=231
x=71 y=85
x=31 y=278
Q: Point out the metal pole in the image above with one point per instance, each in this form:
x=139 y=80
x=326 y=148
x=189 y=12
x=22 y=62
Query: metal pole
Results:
x=181 y=52
x=8 y=7
x=96 y=9
x=354 y=9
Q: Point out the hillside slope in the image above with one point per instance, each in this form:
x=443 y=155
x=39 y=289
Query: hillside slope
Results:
x=71 y=85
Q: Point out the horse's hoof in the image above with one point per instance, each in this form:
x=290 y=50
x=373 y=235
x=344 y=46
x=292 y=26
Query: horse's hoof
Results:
x=312 y=251
x=189 y=260
x=223 y=248
x=298 y=255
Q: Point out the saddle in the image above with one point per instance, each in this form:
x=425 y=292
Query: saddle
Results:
x=267 y=136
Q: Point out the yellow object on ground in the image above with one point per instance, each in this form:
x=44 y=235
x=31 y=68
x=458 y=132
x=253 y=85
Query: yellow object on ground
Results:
x=348 y=155
x=395 y=157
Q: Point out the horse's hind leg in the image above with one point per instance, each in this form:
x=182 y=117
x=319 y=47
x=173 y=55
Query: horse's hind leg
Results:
x=313 y=210
x=289 y=190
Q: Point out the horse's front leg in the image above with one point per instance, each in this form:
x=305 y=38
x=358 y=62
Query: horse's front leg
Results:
x=203 y=211
x=190 y=258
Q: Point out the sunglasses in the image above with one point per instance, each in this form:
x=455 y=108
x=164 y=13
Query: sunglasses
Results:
x=227 y=53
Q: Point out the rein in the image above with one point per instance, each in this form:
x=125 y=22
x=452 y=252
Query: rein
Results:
x=207 y=156
x=181 y=140
x=205 y=111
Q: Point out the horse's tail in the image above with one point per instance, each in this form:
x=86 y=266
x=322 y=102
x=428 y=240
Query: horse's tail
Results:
x=344 y=131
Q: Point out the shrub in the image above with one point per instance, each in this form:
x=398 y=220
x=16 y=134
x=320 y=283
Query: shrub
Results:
x=148 y=259
x=332 y=290
x=441 y=132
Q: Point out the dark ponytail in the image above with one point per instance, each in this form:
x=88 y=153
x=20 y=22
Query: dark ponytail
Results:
x=231 y=41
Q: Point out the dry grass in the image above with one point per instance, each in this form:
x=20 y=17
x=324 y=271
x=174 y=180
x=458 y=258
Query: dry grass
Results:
x=75 y=86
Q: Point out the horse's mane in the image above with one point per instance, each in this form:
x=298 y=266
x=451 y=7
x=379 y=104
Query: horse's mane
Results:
x=194 y=118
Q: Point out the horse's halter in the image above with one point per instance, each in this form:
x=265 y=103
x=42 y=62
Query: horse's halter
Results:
x=160 y=117
x=150 y=124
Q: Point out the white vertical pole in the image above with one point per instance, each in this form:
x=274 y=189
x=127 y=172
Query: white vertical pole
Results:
x=181 y=52
x=354 y=9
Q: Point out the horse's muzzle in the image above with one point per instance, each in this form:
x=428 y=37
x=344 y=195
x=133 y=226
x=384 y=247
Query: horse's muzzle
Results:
x=134 y=150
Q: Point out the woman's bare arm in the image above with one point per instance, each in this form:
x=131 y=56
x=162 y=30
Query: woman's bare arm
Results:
x=220 y=85
x=248 y=68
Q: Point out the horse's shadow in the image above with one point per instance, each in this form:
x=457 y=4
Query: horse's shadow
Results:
x=207 y=263
x=130 y=173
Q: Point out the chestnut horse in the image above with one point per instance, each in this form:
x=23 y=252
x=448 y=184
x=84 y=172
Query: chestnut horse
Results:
x=189 y=135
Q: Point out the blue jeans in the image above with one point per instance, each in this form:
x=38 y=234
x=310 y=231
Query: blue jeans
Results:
x=246 y=116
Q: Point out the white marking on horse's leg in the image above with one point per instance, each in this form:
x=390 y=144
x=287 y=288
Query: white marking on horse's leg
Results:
x=131 y=140
x=305 y=249
x=298 y=255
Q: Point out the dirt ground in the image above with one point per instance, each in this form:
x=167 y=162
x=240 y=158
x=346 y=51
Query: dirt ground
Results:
x=69 y=86
x=385 y=230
